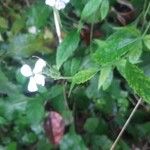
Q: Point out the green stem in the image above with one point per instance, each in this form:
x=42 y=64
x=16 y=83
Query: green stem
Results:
x=65 y=98
x=91 y=36
x=145 y=14
x=146 y=30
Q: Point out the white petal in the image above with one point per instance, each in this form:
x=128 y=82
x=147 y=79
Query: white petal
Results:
x=32 y=29
x=26 y=70
x=39 y=65
x=50 y=2
x=60 y=5
x=32 y=87
x=66 y=1
x=39 y=79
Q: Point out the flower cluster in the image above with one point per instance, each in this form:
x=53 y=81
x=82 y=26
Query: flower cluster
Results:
x=35 y=76
x=58 y=4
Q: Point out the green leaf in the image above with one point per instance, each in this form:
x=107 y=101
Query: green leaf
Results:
x=2 y=121
x=35 y=112
x=84 y=76
x=147 y=41
x=38 y=15
x=102 y=141
x=55 y=91
x=18 y=24
x=73 y=142
x=44 y=144
x=135 y=54
x=90 y=8
x=138 y=81
x=90 y=126
x=67 y=47
x=72 y=66
x=6 y=86
x=104 y=9
x=68 y=117
x=105 y=78
x=75 y=65
x=12 y=104
x=54 y=72
x=3 y=23
x=29 y=138
x=12 y=146
x=117 y=45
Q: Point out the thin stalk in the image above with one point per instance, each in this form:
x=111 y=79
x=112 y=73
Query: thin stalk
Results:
x=141 y=15
x=125 y=125
x=91 y=35
x=65 y=97
x=145 y=14
x=146 y=30
x=57 y=24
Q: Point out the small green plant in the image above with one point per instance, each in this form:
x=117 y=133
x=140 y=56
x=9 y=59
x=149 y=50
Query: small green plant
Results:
x=74 y=74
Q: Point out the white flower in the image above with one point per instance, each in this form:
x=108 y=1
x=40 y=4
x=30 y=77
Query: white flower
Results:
x=35 y=75
x=58 y=4
x=32 y=29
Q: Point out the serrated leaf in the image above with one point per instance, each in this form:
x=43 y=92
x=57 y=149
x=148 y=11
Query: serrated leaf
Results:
x=104 y=9
x=105 y=78
x=138 y=81
x=90 y=8
x=84 y=76
x=67 y=47
x=35 y=112
x=147 y=41
x=117 y=45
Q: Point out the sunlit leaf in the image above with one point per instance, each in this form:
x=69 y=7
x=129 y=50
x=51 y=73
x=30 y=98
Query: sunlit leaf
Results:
x=84 y=75
x=104 y=8
x=90 y=8
x=105 y=78
x=117 y=45
x=3 y=23
x=138 y=81
x=67 y=47
x=147 y=41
